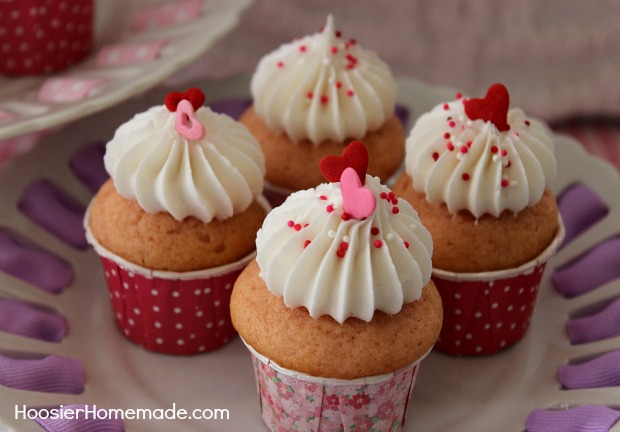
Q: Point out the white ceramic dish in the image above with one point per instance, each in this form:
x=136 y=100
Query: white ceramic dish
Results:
x=452 y=394
x=183 y=44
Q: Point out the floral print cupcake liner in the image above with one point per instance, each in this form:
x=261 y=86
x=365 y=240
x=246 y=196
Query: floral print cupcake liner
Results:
x=293 y=401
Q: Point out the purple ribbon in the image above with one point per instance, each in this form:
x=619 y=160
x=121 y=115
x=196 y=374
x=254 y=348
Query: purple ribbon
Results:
x=87 y=165
x=51 y=374
x=22 y=259
x=79 y=420
x=22 y=319
x=603 y=371
x=57 y=212
x=580 y=208
x=601 y=325
x=597 y=267
x=587 y=418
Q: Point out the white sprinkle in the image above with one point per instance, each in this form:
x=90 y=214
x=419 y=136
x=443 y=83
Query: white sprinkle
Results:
x=331 y=234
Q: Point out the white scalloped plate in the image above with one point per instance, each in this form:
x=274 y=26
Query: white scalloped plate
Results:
x=184 y=43
x=452 y=394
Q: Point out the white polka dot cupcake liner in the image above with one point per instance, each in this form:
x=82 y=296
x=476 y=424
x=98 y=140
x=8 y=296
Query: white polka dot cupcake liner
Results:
x=487 y=312
x=294 y=401
x=43 y=37
x=182 y=313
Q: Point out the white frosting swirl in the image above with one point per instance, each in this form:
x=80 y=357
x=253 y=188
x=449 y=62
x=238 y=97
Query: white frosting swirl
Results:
x=471 y=165
x=323 y=88
x=216 y=176
x=303 y=258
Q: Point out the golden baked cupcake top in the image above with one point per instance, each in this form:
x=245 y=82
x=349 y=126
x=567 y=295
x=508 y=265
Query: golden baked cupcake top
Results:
x=184 y=159
x=345 y=248
x=479 y=155
x=323 y=88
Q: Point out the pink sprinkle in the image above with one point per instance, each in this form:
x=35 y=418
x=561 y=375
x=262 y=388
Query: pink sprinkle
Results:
x=458 y=95
x=324 y=99
x=451 y=123
x=329 y=208
x=406 y=244
x=323 y=197
x=280 y=64
x=395 y=210
x=374 y=231
x=464 y=149
x=297 y=227
x=350 y=93
x=435 y=156
x=306 y=243
x=291 y=224
x=465 y=176
x=450 y=146
x=334 y=50
x=378 y=243
x=446 y=106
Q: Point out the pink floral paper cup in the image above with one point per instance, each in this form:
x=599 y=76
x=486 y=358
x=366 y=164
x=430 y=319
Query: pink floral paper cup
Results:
x=182 y=313
x=295 y=402
x=487 y=312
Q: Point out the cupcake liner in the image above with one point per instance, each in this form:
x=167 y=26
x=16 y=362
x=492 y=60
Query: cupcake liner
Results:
x=180 y=313
x=293 y=401
x=487 y=312
x=276 y=195
x=43 y=37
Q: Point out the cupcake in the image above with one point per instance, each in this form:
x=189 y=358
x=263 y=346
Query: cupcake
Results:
x=176 y=223
x=311 y=98
x=479 y=173
x=338 y=308
x=43 y=37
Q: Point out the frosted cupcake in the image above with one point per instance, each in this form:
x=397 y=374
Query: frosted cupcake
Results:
x=315 y=95
x=176 y=223
x=338 y=308
x=479 y=174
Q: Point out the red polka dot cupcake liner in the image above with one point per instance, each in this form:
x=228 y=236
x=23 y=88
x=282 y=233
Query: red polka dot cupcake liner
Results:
x=487 y=312
x=293 y=401
x=38 y=37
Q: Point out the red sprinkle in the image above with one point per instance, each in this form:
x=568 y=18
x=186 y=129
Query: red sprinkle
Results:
x=302 y=48
x=344 y=246
x=340 y=253
x=383 y=195
x=280 y=64
x=346 y=216
x=323 y=197
x=451 y=123
x=464 y=149
x=458 y=95
x=307 y=243
x=350 y=93
x=406 y=244
x=504 y=152
x=494 y=149
x=324 y=99
x=338 y=33
x=309 y=95
x=378 y=243
x=334 y=50
x=446 y=135
x=469 y=143
x=391 y=195
x=446 y=106
x=508 y=165
x=291 y=224
x=329 y=208
x=435 y=156
x=394 y=201
x=395 y=210
x=374 y=231
x=465 y=176
x=297 y=227
x=505 y=183
x=450 y=146
x=338 y=84
x=527 y=122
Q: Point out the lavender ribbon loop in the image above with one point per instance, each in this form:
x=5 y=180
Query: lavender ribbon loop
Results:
x=57 y=212
x=87 y=165
x=23 y=260
x=51 y=374
x=587 y=418
x=580 y=208
x=597 y=267
x=603 y=371
x=23 y=319
x=602 y=325
x=82 y=423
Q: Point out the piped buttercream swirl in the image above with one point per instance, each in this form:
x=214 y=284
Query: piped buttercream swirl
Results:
x=322 y=87
x=216 y=176
x=313 y=255
x=471 y=165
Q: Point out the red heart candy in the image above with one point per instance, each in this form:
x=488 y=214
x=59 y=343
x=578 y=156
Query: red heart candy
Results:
x=194 y=95
x=493 y=107
x=355 y=155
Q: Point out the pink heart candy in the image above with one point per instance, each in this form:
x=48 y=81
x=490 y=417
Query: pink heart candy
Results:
x=357 y=201
x=186 y=122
